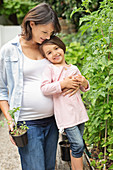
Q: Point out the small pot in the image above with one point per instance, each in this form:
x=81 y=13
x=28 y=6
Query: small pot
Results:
x=65 y=150
x=20 y=140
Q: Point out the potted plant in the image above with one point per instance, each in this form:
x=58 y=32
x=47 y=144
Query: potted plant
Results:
x=19 y=133
x=65 y=150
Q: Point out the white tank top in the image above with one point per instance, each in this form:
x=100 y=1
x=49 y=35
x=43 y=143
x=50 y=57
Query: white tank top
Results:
x=34 y=104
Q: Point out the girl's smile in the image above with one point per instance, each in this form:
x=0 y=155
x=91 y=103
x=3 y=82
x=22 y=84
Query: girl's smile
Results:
x=54 y=54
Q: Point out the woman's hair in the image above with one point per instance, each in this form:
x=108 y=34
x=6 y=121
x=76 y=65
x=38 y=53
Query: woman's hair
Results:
x=53 y=40
x=40 y=14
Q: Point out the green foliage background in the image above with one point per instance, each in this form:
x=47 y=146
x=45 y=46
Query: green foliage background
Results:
x=20 y=8
x=17 y=7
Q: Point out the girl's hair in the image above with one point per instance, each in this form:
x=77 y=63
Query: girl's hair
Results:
x=53 y=40
x=41 y=14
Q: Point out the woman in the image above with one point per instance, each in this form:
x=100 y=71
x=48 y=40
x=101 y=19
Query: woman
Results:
x=21 y=67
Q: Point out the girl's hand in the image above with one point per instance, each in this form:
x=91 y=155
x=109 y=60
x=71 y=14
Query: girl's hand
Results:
x=82 y=81
x=69 y=83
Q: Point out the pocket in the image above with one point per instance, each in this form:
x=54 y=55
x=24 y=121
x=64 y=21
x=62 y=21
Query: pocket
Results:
x=11 y=64
x=12 y=58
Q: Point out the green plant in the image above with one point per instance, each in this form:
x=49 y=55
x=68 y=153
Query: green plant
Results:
x=98 y=69
x=63 y=8
x=74 y=53
x=16 y=9
x=17 y=130
x=74 y=50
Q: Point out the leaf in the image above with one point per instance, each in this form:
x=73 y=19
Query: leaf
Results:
x=84 y=20
x=95 y=52
x=107 y=116
x=111 y=71
x=74 y=10
x=111 y=167
x=110 y=156
x=103 y=94
x=110 y=62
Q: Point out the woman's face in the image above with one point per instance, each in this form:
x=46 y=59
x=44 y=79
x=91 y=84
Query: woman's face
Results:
x=41 y=32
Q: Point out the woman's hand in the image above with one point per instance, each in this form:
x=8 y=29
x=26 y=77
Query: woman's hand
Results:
x=10 y=126
x=82 y=81
x=4 y=106
x=70 y=91
x=11 y=139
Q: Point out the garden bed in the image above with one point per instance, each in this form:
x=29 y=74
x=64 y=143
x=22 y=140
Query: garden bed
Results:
x=97 y=160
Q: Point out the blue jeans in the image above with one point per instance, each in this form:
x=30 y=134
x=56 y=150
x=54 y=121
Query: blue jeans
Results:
x=75 y=135
x=40 y=152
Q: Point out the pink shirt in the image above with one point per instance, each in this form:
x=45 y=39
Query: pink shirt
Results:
x=69 y=111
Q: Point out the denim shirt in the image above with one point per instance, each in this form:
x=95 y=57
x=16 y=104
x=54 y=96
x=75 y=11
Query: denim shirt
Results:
x=11 y=74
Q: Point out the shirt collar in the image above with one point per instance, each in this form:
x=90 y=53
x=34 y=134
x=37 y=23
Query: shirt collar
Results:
x=16 y=42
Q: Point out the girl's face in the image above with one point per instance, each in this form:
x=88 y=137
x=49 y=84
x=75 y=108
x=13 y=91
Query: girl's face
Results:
x=41 y=32
x=54 y=54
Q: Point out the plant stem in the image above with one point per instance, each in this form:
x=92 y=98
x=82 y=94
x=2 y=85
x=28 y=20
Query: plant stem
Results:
x=106 y=134
x=105 y=139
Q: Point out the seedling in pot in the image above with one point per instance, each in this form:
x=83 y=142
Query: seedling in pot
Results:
x=17 y=130
x=19 y=133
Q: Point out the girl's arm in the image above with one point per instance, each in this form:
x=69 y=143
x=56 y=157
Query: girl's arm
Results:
x=49 y=87
x=81 y=81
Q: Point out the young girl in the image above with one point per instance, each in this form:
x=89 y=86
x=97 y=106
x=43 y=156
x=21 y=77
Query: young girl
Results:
x=70 y=113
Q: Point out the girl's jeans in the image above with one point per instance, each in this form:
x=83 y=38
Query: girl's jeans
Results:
x=40 y=152
x=74 y=135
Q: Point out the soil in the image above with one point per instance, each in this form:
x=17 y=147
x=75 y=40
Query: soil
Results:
x=17 y=132
x=9 y=157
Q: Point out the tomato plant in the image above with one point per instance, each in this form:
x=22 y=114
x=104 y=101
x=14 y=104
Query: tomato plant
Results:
x=97 y=67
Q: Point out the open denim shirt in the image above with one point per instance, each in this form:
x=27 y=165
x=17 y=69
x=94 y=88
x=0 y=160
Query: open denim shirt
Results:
x=11 y=74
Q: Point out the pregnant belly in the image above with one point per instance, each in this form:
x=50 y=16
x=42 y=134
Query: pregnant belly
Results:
x=35 y=103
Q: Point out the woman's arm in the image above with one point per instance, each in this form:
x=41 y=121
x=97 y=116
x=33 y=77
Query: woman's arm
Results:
x=50 y=88
x=4 y=106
